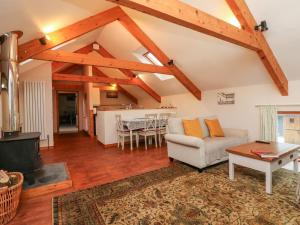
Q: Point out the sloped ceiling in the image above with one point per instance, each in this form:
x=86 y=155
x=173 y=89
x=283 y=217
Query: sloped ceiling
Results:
x=210 y=63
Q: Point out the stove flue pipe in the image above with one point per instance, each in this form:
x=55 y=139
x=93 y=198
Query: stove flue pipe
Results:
x=9 y=83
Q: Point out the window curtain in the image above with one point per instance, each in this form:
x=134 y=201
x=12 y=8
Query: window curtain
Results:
x=268 y=122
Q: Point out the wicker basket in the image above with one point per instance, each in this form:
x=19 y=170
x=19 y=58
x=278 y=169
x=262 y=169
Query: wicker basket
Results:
x=9 y=199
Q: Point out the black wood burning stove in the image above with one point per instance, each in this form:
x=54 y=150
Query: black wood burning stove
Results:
x=21 y=153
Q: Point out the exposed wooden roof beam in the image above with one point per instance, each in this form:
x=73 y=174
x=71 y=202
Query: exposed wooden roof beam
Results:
x=106 y=88
x=63 y=87
x=102 y=51
x=91 y=79
x=34 y=49
x=246 y=19
x=135 y=30
x=98 y=72
x=82 y=59
x=185 y=15
x=69 y=68
x=72 y=68
x=31 y=48
x=59 y=66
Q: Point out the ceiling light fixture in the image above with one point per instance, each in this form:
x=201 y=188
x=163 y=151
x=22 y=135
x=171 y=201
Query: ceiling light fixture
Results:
x=262 y=26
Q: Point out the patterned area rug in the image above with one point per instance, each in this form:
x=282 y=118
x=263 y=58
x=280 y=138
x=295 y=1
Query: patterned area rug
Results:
x=179 y=195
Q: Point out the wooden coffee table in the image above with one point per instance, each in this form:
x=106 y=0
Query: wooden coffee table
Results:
x=242 y=155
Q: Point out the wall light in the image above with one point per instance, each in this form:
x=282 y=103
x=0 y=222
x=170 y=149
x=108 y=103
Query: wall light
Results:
x=48 y=29
x=114 y=85
x=47 y=37
x=262 y=26
x=43 y=40
x=4 y=83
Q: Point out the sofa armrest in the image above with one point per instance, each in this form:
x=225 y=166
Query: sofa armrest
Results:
x=235 y=132
x=184 y=140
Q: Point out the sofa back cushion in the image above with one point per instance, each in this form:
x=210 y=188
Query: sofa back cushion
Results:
x=175 y=126
x=205 y=130
x=192 y=128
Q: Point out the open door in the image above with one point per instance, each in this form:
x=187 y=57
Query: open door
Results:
x=68 y=112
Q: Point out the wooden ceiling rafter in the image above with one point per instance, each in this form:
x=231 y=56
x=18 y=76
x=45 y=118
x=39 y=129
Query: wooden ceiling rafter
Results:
x=67 y=87
x=99 y=73
x=83 y=59
x=69 y=68
x=106 y=88
x=103 y=52
x=59 y=66
x=188 y=16
x=178 y=12
x=33 y=49
x=146 y=41
x=248 y=22
x=92 y=79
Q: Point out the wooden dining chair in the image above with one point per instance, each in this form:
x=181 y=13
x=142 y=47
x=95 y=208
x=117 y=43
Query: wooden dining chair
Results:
x=149 y=129
x=123 y=132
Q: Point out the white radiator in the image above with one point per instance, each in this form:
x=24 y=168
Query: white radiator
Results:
x=34 y=107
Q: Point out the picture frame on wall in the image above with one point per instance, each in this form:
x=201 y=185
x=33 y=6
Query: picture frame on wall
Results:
x=112 y=94
x=226 y=98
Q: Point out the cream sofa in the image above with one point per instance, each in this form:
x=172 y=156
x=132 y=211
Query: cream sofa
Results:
x=201 y=152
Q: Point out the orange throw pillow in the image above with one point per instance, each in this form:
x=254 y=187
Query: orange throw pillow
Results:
x=192 y=128
x=214 y=128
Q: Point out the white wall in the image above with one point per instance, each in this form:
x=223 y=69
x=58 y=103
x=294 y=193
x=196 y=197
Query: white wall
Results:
x=41 y=73
x=120 y=100
x=187 y=105
x=243 y=114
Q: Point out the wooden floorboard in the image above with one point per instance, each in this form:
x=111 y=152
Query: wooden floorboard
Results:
x=89 y=165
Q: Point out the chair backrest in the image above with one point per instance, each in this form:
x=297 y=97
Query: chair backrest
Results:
x=119 y=123
x=163 y=119
x=150 y=122
x=151 y=115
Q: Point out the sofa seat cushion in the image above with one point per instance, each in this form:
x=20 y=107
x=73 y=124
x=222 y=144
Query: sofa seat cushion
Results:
x=215 y=147
x=185 y=140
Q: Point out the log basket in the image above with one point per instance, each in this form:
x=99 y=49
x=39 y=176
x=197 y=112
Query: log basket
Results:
x=9 y=199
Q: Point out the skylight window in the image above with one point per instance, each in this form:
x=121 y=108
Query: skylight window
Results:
x=150 y=58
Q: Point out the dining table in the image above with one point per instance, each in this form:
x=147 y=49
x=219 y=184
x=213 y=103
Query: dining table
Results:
x=134 y=124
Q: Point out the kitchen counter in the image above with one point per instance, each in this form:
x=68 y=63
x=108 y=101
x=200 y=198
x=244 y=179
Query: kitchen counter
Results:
x=106 y=122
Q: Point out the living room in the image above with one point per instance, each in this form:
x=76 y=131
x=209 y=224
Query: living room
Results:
x=180 y=111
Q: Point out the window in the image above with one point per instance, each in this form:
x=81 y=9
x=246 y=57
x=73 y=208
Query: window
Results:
x=153 y=60
x=288 y=127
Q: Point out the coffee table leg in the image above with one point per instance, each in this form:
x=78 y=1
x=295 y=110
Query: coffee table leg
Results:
x=269 y=181
x=296 y=165
x=231 y=170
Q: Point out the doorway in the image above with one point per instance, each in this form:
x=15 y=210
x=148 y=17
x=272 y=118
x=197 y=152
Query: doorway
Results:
x=67 y=112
